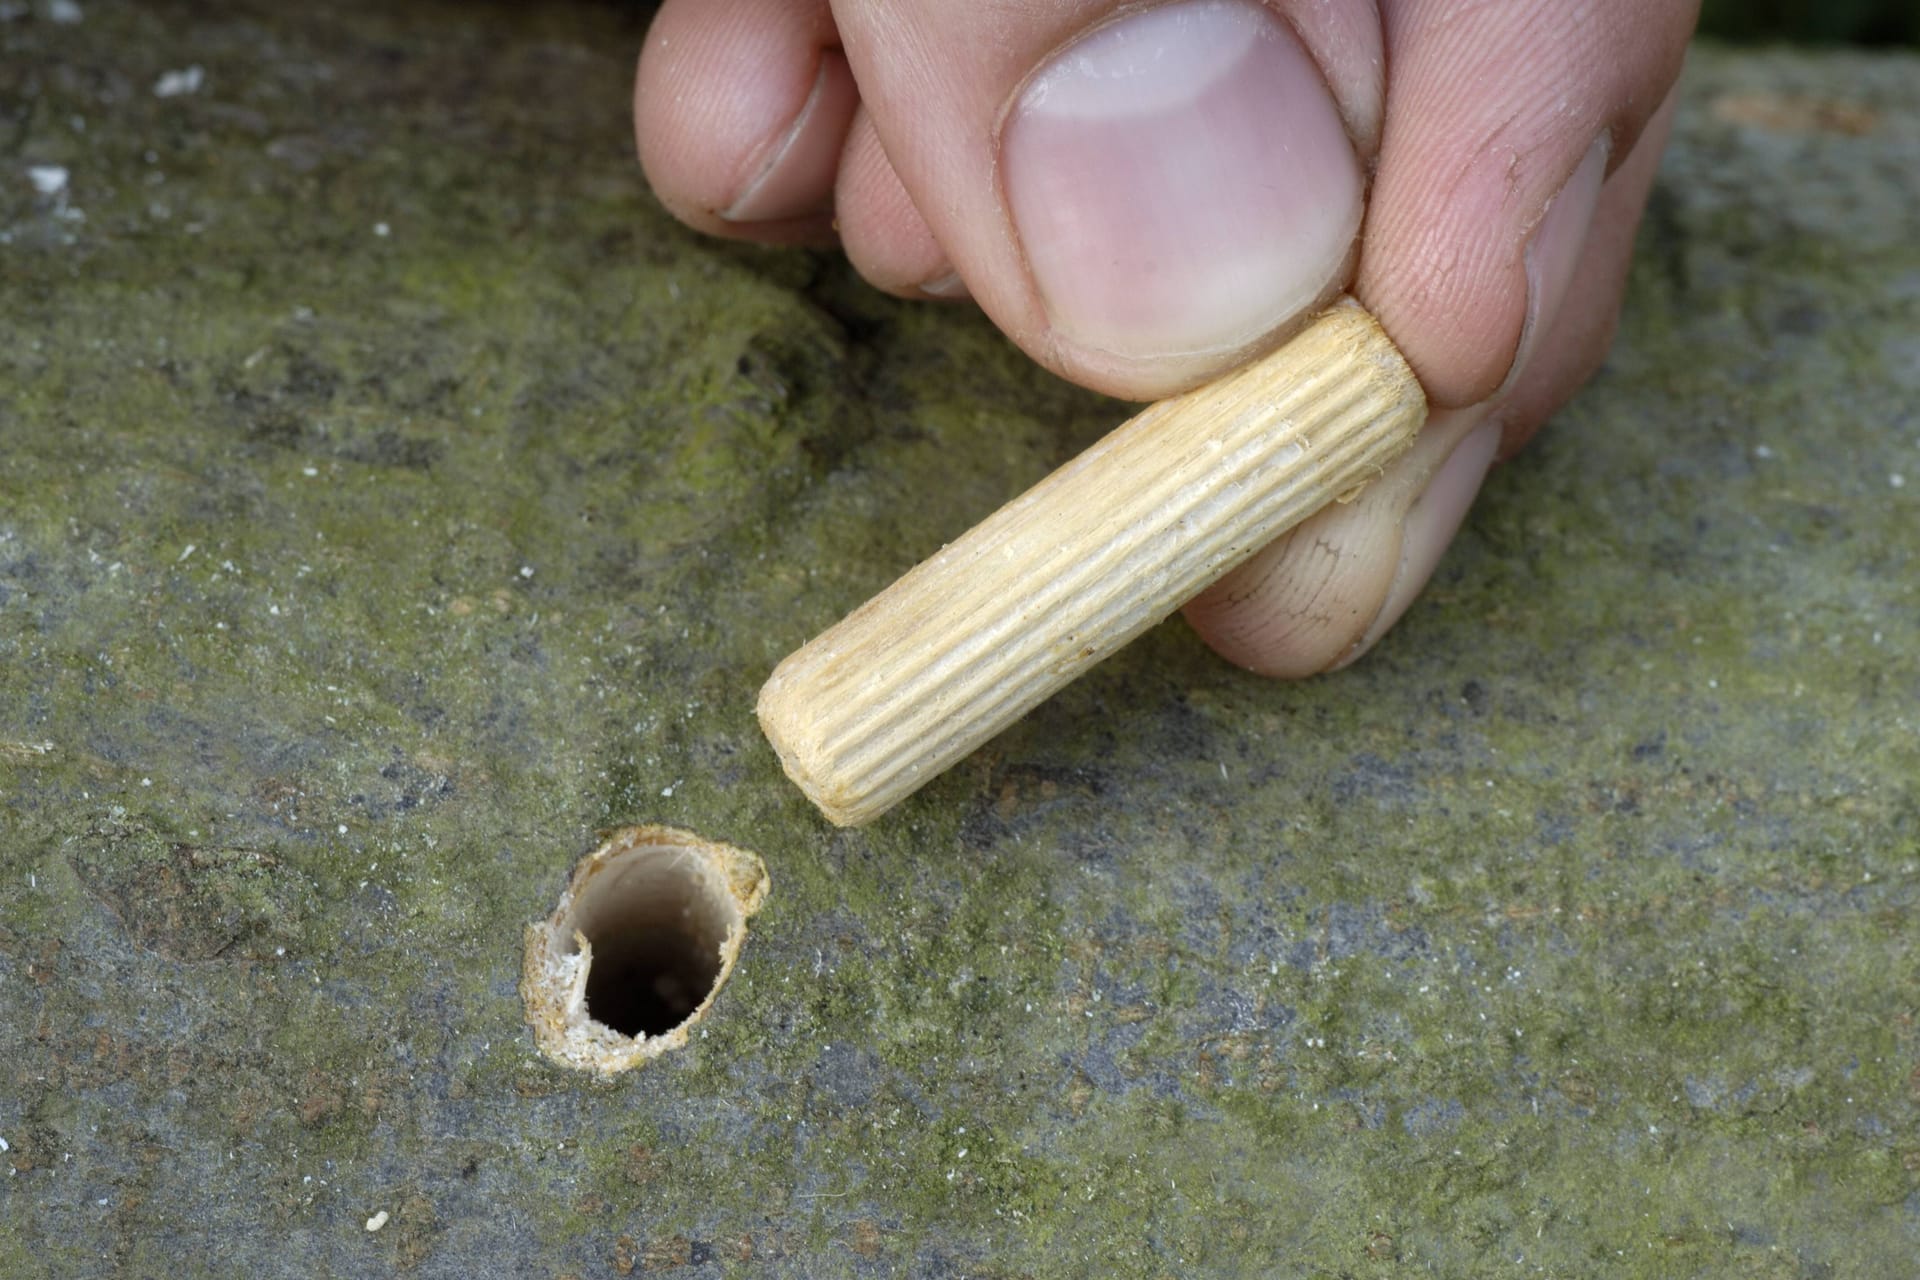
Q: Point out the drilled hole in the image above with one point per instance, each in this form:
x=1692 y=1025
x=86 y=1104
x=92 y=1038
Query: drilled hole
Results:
x=642 y=941
x=656 y=939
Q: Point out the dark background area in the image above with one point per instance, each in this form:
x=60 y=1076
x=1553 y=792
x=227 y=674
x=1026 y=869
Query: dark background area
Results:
x=1822 y=21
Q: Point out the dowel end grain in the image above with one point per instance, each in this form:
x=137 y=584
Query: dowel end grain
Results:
x=783 y=712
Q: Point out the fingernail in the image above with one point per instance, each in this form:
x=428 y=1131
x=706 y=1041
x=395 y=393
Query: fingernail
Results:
x=1430 y=524
x=1180 y=181
x=795 y=177
x=1553 y=251
x=946 y=287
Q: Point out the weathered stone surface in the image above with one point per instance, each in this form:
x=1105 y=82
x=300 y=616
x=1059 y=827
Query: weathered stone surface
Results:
x=390 y=497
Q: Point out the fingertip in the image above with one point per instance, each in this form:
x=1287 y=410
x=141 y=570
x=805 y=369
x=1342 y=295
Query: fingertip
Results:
x=1294 y=608
x=1427 y=531
x=741 y=108
x=1139 y=196
x=881 y=229
x=1575 y=345
x=793 y=173
x=1181 y=186
x=1320 y=596
x=1500 y=123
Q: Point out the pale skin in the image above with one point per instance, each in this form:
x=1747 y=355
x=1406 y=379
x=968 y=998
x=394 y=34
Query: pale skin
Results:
x=1145 y=196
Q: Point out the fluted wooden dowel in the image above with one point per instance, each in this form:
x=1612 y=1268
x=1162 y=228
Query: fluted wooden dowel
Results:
x=1094 y=554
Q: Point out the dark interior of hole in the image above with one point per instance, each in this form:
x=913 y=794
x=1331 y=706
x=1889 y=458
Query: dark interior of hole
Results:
x=648 y=981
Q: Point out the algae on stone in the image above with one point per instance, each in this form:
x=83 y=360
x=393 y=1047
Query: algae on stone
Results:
x=391 y=497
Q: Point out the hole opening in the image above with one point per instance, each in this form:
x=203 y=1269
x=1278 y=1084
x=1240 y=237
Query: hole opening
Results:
x=641 y=943
x=655 y=928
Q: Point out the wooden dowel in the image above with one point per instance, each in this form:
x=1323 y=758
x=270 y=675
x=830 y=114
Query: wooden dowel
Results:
x=1090 y=557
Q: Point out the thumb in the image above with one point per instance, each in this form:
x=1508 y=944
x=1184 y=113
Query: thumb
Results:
x=1139 y=197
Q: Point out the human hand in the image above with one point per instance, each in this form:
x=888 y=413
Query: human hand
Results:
x=1144 y=197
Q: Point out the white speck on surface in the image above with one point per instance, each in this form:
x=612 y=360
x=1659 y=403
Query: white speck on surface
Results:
x=175 y=84
x=1897 y=480
x=377 y=1221
x=146 y=782
x=1762 y=451
x=341 y=829
x=526 y=571
x=48 y=179
x=191 y=548
x=4 y=1146
x=382 y=230
x=309 y=472
x=64 y=12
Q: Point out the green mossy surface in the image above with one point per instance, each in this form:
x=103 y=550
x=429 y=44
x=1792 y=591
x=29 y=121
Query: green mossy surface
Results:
x=391 y=497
